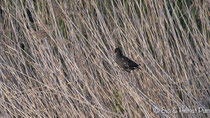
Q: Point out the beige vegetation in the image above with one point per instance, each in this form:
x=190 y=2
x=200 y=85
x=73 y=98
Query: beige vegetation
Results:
x=56 y=58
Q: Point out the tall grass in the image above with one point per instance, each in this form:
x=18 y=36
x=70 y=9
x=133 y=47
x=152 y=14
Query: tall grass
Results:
x=56 y=58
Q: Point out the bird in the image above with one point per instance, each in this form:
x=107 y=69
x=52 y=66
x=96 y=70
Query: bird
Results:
x=124 y=62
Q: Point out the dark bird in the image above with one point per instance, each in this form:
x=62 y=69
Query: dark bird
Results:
x=124 y=62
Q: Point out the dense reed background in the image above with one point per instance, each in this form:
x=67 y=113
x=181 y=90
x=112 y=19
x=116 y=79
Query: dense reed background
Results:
x=56 y=58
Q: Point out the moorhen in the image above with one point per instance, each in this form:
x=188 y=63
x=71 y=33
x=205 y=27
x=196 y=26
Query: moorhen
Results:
x=124 y=62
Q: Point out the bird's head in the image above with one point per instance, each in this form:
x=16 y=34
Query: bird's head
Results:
x=118 y=51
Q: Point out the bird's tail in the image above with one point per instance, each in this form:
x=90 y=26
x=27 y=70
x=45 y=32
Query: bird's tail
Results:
x=138 y=67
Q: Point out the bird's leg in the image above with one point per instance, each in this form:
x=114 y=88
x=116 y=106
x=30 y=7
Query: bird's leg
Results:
x=128 y=70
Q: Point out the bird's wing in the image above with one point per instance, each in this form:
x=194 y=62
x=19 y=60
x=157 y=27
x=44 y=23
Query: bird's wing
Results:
x=131 y=63
x=124 y=62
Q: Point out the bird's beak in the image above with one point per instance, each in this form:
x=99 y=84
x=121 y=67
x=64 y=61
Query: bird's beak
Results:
x=113 y=51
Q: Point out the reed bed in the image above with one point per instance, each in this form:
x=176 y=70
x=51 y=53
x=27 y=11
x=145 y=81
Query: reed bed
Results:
x=56 y=58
